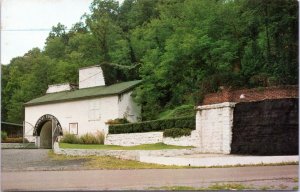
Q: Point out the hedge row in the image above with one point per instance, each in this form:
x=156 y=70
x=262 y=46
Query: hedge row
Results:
x=155 y=125
x=177 y=132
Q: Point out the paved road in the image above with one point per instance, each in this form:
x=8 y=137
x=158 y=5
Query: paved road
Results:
x=35 y=160
x=143 y=179
x=34 y=170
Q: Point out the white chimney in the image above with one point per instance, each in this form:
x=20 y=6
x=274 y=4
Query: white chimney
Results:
x=59 y=87
x=91 y=77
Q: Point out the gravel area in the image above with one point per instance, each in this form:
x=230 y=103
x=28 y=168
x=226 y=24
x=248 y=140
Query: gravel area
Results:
x=35 y=160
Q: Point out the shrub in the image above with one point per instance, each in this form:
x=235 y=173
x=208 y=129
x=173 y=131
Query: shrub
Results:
x=117 y=121
x=177 y=132
x=15 y=140
x=100 y=138
x=87 y=138
x=69 y=138
x=155 y=125
x=3 y=135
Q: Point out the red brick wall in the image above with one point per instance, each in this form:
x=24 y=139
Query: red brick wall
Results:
x=256 y=94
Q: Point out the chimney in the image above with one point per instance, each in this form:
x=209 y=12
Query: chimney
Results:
x=59 y=88
x=91 y=77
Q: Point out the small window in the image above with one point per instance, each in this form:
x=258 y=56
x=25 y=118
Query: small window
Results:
x=73 y=128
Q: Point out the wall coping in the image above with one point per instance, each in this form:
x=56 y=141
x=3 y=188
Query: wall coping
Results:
x=216 y=106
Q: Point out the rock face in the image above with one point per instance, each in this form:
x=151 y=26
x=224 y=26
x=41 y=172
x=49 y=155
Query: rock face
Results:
x=267 y=127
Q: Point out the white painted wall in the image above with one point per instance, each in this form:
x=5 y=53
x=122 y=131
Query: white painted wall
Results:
x=192 y=140
x=128 y=108
x=213 y=132
x=130 y=139
x=90 y=114
x=214 y=124
x=58 y=88
x=91 y=77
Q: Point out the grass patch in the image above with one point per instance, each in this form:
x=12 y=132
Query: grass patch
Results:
x=264 y=188
x=217 y=186
x=107 y=162
x=174 y=188
x=156 y=146
x=180 y=111
x=295 y=188
x=295 y=180
x=228 y=186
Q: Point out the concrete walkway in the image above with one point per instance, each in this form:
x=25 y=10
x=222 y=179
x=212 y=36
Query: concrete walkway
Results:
x=208 y=160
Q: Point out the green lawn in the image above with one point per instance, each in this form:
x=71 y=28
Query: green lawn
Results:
x=107 y=162
x=156 y=146
x=216 y=186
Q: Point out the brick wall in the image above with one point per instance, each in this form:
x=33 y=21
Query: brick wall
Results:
x=249 y=95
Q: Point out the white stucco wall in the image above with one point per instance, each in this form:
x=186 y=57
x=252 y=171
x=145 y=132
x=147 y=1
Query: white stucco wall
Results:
x=90 y=114
x=128 y=108
x=214 y=124
x=91 y=77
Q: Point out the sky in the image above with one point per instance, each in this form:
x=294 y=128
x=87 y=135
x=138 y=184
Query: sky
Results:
x=26 y=23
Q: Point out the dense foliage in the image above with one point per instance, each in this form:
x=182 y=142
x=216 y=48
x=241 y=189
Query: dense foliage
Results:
x=3 y=135
x=177 y=132
x=181 y=49
x=154 y=125
x=180 y=111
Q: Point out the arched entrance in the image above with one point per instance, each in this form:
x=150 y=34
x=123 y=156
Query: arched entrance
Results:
x=47 y=129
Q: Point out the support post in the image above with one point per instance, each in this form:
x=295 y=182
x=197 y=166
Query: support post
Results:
x=23 y=131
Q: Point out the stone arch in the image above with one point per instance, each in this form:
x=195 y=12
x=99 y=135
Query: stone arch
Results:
x=47 y=129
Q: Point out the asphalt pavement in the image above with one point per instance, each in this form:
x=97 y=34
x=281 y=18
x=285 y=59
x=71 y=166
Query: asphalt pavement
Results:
x=280 y=177
x=33 y=170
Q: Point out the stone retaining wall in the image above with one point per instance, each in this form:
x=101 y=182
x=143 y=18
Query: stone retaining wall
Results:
x=131 y=139
x=17 y=145
x=214 y=124
x=192 y=140
x=124 y=154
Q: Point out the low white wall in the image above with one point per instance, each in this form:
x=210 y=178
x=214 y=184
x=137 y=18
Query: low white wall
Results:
x=213 y=132
x=125 y=154
x=192 y=140
x=214 y=124
x=130 y=139
x=17 y=145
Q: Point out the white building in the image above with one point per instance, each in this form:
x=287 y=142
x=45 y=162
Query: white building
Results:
x=79 y=111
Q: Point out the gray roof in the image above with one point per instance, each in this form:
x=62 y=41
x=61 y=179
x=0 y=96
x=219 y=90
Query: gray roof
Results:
x=92 y=92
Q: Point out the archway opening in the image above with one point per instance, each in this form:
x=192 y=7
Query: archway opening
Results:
x=46 y=136
x=47 y=129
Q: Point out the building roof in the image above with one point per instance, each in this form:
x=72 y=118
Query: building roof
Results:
x=85 y=93
x=9 y=123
